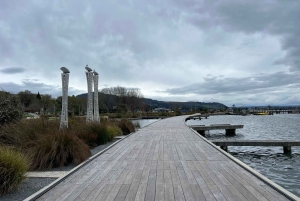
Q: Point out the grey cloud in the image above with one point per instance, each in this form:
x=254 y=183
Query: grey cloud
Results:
x=150 y=43
x=255 y=84
x=12 y=70
x=36 y=87
x=278 y=18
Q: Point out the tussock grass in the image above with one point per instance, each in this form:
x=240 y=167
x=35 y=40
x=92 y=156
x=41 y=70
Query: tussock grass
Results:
x=126 y=126
x=48 y=147
x=57 y=149
x=13 y=166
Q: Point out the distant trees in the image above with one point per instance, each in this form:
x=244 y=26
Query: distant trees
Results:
x=124 y=98
x=118 y=99
x=26 y=97
x=35 y=102
x=10 y=108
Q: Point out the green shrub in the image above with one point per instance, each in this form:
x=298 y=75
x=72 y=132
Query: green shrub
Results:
x=114 y=131
x=101 y=131
x=13 y=166
x=57 y=149
x=10 y=108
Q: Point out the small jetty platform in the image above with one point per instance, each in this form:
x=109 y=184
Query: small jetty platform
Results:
x=286 y=144
x=230 y=129
x=197 y=117
x=154 y=117
x=165 y=161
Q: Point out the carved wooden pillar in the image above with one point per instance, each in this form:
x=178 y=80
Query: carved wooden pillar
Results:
x=64 y=110
x=89 y=78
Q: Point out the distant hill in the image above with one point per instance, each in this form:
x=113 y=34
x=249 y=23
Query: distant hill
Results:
x=183 y=105
x=172 y=104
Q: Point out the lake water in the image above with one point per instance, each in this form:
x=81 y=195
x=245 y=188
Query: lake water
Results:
x=269 y=161
x=144 y=122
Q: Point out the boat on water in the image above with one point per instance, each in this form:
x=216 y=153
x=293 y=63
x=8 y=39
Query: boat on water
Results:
x=261 y=113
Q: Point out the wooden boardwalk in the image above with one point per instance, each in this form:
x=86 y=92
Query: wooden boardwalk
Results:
x=164 y=161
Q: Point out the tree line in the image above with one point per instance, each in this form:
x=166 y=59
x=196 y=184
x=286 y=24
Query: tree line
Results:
x=112 y=99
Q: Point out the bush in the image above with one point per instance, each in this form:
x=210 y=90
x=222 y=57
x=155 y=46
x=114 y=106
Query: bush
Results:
x=22 y=133
x=58 y=149
x=46 y=145
x=101 y=131
x=50 y=147
x=114 y=131
x=10 y=108
x=13 y=166
x=126 y=126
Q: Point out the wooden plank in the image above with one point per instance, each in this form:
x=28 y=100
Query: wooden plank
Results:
x=140 y=195
x=134 y=186
x=122 y=192
x=217 y=193
x=197 y=192
x=178 y=192
x=209 y=196
x=159 y=195
x=168 y=186
x=150 y=191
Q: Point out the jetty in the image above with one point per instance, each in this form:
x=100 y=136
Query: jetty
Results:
x=230 y=129
x=163 y=161
x=197 y=117
x=286 y=144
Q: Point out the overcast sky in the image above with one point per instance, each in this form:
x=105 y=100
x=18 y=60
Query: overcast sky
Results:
x=229 y=51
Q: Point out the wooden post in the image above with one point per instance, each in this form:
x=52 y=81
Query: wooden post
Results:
x=201 y=132
x=225 y=148
x=287 y=149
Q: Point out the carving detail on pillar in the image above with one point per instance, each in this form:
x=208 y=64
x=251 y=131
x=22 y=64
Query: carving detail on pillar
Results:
x=64 y=110
x=89 y=78
x=96 y=103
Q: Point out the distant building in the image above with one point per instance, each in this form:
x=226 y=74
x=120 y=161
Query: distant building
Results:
x=161 y=110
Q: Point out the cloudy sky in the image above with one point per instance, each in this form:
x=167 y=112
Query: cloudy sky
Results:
x=229 y=51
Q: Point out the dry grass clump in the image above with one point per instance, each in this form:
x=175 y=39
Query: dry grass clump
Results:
x=57 y=149
x=13 y=166
x=22 y=133
x=126 y=126
x=50 y=147
x=46 y=145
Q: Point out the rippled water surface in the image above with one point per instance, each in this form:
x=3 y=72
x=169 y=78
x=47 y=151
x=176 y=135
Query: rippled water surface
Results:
x=270 y=161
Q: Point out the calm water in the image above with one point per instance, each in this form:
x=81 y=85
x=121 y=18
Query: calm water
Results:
x=269 y=161
x=144 y=122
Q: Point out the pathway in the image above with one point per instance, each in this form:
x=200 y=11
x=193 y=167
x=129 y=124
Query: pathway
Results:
x=164 y=161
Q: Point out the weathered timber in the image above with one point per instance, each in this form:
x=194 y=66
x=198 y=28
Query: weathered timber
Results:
x=230 y=129
x=164 y=161
x=286 y=144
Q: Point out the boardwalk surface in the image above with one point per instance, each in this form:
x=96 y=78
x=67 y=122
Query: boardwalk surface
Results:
x=164 y=161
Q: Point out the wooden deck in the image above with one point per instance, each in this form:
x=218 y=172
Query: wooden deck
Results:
x=230 y=129
x=164 y=161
